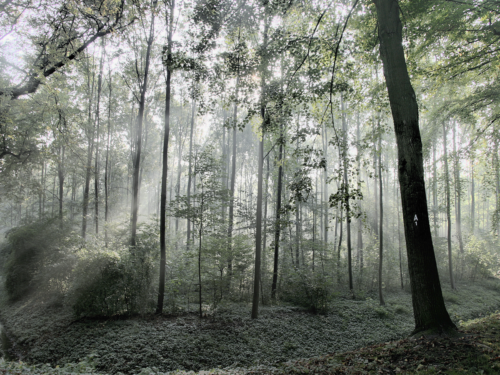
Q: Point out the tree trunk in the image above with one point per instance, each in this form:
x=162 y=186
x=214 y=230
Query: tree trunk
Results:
x=434 y=190
x=193 y=108
x=138 y=149
x=360 y=219
x=260 y=177
x=325 y=185
x=428 y=305
x=473 y=198
x=448 y=206
x=233 y=182
x=381 y=219
x=345 y=163
x=60 y=172
x=278 y=216
x=107 y=166
x=90 y=148
x=96 y=161
x=458 y=193
x=164 y=170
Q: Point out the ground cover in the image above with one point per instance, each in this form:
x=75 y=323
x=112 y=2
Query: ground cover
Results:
x=228 y=339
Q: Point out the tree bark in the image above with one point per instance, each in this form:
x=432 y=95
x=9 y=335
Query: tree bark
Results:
x=448 y=206
x=233 y=183
x=277 y=229
x=164 y=170
x=345 y=163
x=428 y=305
x=381 y=219
x=96 y=161
x=107 y=166
x=90 y=148
x=458 y=193
x=190 y=167
x=138 y=149
x=260 y=177
x=360 y=219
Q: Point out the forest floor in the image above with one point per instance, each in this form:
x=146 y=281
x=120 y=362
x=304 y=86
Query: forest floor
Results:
x=359 y=335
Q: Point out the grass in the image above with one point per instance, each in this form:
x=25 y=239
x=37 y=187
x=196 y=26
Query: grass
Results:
x=275 y=342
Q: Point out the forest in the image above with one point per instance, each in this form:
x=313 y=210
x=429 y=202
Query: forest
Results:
x=199 y=184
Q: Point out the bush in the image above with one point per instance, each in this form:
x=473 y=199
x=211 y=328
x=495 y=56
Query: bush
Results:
x=313 y=291
x=35 y=260
x=110 y=283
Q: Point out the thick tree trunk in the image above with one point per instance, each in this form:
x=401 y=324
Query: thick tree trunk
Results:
x=164 y=169
x=428 y=305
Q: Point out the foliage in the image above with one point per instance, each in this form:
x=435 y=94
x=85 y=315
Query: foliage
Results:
x=113 y=281
x=313 y=291
x=36 y=260
x=227 y=337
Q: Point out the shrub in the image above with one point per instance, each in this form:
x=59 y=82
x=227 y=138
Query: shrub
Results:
x=35 y=260
x=313 y=291
x=108 y=283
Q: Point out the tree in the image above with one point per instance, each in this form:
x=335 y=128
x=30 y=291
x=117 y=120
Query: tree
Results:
x=428 y=305
x=164 y=170
x=142 y=79
x=73 y=27
x=448 y=206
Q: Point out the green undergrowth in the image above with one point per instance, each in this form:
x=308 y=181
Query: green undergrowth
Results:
x=227 y=338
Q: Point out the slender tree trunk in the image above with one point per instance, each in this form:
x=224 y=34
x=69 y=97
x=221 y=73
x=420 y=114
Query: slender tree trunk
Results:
x=434 y=191
x=496 y=166
x=233 y=182
x=107 y=166
x=96 y=161
x=448 y=206
x=199 y=258
x=345 y=163
x=278 y=216
x=164 y=170
x=473 y=199
x=178 y=185
x=258 y=221
x=264 y=240
x=193 y=108
x=90 y=148
x=381 y=221
x=138 y=149
x=458 y=193
x=428 y=305
x=60 y=172
x=360 y=220
x=325 y=186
